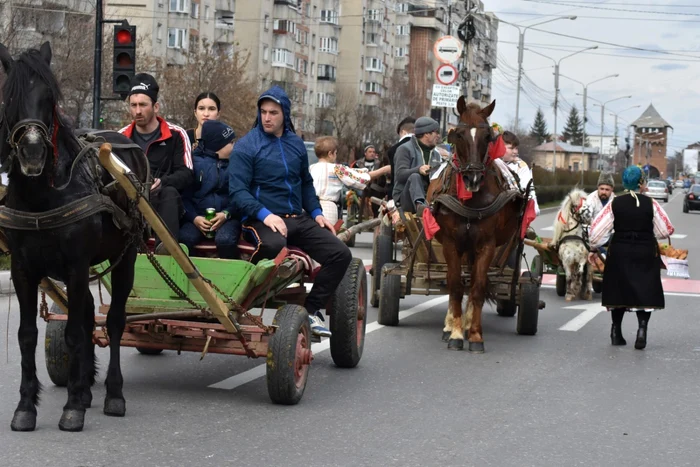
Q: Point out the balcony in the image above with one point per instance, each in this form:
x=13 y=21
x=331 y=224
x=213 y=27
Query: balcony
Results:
x=224 y=20
x=225 y=5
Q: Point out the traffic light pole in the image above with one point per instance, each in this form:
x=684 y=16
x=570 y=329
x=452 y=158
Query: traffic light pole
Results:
x=97 y=72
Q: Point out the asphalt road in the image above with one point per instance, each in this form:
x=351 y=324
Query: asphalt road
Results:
x=560 y=398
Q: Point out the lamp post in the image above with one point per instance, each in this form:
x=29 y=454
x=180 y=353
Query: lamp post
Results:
x=616 y=114
x=556 y=96
x=585 y=95
x=521 y=47
x=602 y=117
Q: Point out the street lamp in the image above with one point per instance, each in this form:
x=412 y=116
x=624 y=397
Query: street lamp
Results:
x=585 y=94
x=521 y=45
x=615 y=114
x=602 y=116
x=556 y=94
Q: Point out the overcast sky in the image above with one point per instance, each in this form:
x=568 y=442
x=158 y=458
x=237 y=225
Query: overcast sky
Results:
x=670 y=81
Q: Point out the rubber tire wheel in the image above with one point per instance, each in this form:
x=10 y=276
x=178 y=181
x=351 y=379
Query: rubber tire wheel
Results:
x=389 y=297
x=666 y=200
x=281 y=354
x=382 y=253
x=506 y=308
x=597 y=286
x=56 y=350
x=528 y=310
x=353 y=215
x=537 y=267
x=146 y=351
x=348 y=310
x=561 y=284
x=685 y=208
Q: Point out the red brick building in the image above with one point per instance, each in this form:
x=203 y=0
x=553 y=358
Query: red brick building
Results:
x=651 y=141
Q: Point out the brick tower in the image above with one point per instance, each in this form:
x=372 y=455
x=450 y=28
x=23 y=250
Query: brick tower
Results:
x=650 y=142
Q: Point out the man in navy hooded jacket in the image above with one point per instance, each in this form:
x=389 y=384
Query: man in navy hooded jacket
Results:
x=274 y=192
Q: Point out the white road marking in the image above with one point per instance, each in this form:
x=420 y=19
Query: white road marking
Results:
x=547 y=228
x=591 y=310
x=259 y=371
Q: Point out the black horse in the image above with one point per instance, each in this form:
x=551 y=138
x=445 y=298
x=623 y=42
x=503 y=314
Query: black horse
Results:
x=47 y=171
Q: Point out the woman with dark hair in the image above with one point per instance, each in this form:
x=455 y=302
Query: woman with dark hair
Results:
x=632 y=277
x=207 y=106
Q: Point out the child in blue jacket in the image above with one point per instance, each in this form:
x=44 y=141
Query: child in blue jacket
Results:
x=211 y=190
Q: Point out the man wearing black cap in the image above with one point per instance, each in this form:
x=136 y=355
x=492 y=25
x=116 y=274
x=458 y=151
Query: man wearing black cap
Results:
x=412 y=164
x=274 y=191
x=370 y=161
x=405 y=131
x=210 y=191
x=166 y=146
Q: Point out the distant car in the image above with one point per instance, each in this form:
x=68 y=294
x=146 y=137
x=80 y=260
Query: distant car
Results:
x=310 y=145
x=686 y=183
x=678 y=184
x=657 y=189
x=692 y=199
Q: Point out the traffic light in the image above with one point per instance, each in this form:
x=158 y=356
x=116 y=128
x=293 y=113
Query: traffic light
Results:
x=124 y=61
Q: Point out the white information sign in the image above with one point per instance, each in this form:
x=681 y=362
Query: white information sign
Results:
x=448 y=49
x=444 y=96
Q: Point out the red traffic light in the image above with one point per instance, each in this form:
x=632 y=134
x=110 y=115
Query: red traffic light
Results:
x=124 y=37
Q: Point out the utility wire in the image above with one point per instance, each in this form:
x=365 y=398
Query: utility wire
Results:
x=547 y=2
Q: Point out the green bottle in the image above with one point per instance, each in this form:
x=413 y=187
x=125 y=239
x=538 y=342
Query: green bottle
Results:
x=211 y=213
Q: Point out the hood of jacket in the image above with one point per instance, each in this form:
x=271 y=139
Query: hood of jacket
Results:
x=276 y=94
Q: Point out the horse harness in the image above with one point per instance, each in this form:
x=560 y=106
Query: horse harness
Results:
x=574 y=211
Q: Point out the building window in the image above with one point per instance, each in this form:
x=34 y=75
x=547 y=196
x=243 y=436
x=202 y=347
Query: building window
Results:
x=372 y=38
x=224 y=20
x=206 y=13
x=402 y=7
x=324 y=99
x=159 y=32
x=373 y=87
x=177 y=38
x=374 y=15
x=329 y=16
x=284 y=26
x=194 y=12
x=179 y=6
x=329 y=44
x=266 y=53
x=267 y=22
x=326 y=73
x=401 y=51
x=374 y=64
x=282 y=58
x=403 y=30
x=313 y=69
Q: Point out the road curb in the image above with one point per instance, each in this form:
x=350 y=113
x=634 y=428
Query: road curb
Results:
x=6 y=285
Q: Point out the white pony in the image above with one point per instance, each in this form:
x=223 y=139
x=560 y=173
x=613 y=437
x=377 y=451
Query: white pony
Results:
x=571 y=241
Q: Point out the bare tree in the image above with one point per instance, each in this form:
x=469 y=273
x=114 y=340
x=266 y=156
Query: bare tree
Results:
x=399 y=101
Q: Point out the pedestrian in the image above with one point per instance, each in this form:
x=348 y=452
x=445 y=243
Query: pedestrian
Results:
x=632 y=275
x=273 y=190
x=207 y=106
x=210 y=190
x=597 y=200
x=167 y=149
x=405 y=131
x=412 y=165
x=329 y=177
x=369 y=161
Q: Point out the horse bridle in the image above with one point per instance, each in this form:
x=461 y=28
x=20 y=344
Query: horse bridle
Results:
x=22 y=127
x=471 y=167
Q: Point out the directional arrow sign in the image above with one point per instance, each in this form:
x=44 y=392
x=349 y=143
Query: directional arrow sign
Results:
x=591 y=310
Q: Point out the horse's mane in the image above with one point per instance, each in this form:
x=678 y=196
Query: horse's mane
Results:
x=564 y=220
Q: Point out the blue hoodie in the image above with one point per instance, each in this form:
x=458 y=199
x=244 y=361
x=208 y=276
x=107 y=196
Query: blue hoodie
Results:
x=270 y=175
x=210 y=188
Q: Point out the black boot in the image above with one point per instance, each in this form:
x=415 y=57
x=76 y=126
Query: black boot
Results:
x=643 y=318
x=616 y=330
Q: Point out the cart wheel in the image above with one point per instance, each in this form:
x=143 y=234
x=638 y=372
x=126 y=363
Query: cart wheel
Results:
x=353 y=219
x=389 y=296
x=685 y=208
x=349 y=316
x=537 y=267
x=529 y=309
x=56 y=350
x=146 y=351
x=382 y=253
x=561 y=284
x=597 y=286
x=289 y=355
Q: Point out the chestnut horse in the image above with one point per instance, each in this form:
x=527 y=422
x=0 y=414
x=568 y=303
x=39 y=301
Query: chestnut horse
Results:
x=472 y=230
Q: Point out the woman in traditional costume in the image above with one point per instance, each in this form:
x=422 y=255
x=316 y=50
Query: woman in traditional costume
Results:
x=632 y=276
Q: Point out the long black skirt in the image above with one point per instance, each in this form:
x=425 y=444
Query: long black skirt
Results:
x=632 y=277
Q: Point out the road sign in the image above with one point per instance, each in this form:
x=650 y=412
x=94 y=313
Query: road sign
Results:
x=447 y=49
x=444 y=96
x=446 y=74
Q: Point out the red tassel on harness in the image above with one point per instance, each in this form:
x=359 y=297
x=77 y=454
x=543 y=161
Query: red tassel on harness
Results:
x=430 y=225
x=528 y=217
x=462 y=193
x=497 y=149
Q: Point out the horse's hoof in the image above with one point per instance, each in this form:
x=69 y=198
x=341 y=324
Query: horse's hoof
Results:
x=23 y=421
x=72 y=420
x=86 y=399
x=115 y=407
x=476 y=347
x=568 y=298
x=446 y=336
x=455 y=344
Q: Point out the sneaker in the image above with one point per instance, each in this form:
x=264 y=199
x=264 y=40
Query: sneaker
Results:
x=318 y=327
